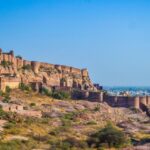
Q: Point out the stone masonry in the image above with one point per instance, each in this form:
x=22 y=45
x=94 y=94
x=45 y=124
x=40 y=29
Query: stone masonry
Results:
x=15 y=70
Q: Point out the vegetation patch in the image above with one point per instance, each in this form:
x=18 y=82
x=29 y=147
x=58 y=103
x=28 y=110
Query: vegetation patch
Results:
x=17 y=145
x=24 y=87
x=109 y=137
x=61 y=95
x=26 y=67
x=6 y=63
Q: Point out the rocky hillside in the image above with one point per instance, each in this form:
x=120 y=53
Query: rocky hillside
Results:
x=67 y=124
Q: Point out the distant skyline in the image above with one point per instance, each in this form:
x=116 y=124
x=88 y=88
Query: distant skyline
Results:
x=109 y=37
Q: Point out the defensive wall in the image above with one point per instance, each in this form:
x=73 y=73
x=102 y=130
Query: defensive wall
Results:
x=49 y=74
x=138 y=102
x=61 y=68
x=127 y=101
x=19 y=62
x=54 y=80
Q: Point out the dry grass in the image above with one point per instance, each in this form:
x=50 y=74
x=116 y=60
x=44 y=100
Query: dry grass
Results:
x=80 y=127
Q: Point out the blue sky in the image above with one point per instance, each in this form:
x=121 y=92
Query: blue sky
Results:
x=109 y=37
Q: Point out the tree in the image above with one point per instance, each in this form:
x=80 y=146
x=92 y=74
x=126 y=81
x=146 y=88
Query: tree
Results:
x=110 y=136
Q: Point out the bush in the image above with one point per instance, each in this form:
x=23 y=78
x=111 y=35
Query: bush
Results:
x=6 y=98
x=72 y=142
x=2 y=113
x=1 y=93
x=92 y=122
x=56 y=94
x=19 y=57
x=45 y=91
x=18 y=145
x=110 y=136
x=6 y=63
x=6 y=95
x=97 y=108
x=8 y=89
x=61 y=95
x=24 y=87
x=68 y=144
x=26 y=67
x=32 y=104
x=10 y=125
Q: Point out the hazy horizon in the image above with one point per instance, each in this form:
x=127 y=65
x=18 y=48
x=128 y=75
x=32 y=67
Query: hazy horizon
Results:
x=110 y=38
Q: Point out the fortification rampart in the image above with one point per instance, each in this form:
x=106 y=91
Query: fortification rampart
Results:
x=49 y=74
x=127 y=101
x=46 y=65
x=19 y=62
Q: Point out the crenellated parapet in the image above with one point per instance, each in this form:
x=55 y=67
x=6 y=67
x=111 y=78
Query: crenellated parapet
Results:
x=6 y=56
x=46 y=65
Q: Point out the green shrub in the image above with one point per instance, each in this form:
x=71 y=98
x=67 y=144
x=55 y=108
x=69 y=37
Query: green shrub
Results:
x=19 y=57
x=26 y=67
x=45 y=91
x=61 y=95
x=18 y=145
x=10 y=125
x=110 y=136
x=24 y=87
x=6 y=95
x=68 y=144
x=1 y=93
x=6 y=98
x=59 y=145
x=6 y=63
x=8 y=89
x=72 y=142
x=91 y=122
x=97 y=108
x=2 y=113
x=32 y=104
x=56 y=94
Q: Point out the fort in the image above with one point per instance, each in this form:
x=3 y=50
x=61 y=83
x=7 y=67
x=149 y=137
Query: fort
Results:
x=15 y=70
